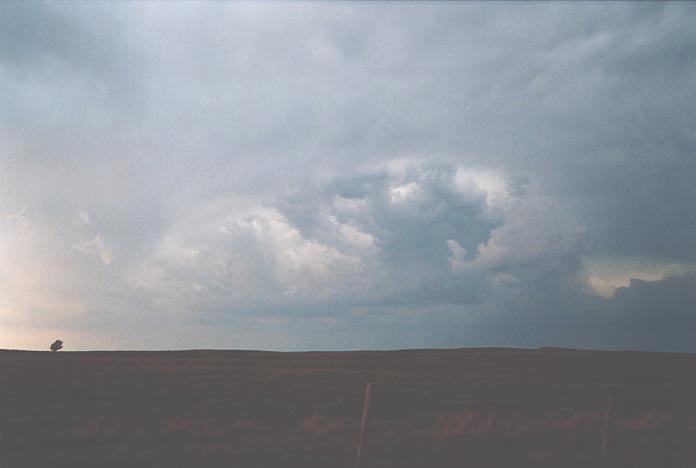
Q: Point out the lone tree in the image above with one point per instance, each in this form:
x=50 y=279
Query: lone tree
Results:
x=57 y=345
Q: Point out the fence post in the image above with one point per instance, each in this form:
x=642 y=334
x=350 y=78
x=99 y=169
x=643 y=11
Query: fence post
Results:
x=364 y=426
x=608 y=425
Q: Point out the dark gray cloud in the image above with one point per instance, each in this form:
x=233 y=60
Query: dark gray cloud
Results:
x=644 y=315
x=297 y=176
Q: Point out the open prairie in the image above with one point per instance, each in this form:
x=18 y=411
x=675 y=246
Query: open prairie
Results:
x=430 y=408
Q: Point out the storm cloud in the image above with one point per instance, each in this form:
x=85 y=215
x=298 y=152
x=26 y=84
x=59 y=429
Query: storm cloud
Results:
x=340 y=176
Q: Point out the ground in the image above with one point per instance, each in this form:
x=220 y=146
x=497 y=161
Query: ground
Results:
x=430 y=408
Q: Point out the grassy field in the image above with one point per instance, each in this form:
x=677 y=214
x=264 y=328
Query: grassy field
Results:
x=430 y=408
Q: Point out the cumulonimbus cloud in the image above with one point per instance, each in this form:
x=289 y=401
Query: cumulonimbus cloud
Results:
x=369 y=236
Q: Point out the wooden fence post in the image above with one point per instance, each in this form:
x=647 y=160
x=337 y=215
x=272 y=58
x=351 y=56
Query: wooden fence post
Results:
x=364 y=426
x=608 y=425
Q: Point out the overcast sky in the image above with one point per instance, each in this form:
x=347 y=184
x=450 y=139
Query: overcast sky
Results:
x=297 y=176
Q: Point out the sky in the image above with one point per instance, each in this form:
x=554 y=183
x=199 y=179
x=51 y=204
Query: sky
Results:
x=324 y=176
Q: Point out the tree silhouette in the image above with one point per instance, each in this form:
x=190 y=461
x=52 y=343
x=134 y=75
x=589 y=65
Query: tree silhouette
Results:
x=57 y=345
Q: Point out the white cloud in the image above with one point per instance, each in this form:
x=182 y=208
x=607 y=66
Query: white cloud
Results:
x=533 y=229
x=355 y=236
x=350 y=206
x=606 y=275
x=97 y=246
x=458 y=253
x=491 y=185
x=404 y=192
x=254 y=255
x=83 y=218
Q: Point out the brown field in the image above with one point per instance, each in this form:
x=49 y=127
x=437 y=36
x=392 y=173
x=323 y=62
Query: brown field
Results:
x=430 y=408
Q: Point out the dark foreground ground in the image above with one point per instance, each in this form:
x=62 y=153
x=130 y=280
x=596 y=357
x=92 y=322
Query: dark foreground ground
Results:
x=430 y=408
